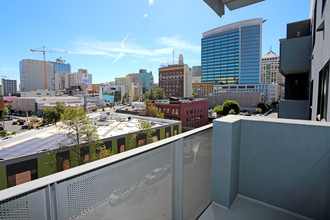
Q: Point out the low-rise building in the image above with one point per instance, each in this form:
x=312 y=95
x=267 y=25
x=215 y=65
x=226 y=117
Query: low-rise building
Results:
x=191 y=113
x=38 y=93
x=269 y=90
x=35 y=105
x=41 y=153
x=204 y=88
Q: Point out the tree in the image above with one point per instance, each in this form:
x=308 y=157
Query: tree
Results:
x=218 y=109
x=136 y=98
x=126 y=97
x=160 y=94
x=145 y=130
x=154 y=94
x=152 y=111
x=3 y=133
x=229 y=105
x=54 y=113
x=79 y=128
x=6 y=111
x=194 y=94
x=264 y=106
x=232 y=112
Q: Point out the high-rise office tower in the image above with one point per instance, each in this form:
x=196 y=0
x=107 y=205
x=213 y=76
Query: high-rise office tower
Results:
x=145 y=80
x=176 y=79
x=270 y=72
x=271 y=69
x=32 y=74
x=231 y=54
x=8 y=86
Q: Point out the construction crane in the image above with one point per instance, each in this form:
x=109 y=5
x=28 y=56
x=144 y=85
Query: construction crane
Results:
x=44 y=53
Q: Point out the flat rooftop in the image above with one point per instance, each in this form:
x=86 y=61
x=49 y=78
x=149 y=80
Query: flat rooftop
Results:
x=50 y=138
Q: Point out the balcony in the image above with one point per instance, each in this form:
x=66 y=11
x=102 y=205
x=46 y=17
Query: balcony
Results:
x=237 y=168
x=294 y=109
x=295 y=55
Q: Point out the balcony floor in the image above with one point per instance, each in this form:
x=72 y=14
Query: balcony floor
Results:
x=246 y=208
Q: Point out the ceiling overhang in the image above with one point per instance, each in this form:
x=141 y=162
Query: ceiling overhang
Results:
x=218 y=6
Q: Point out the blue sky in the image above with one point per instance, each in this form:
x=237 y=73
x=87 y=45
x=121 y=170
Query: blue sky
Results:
x=112 y=38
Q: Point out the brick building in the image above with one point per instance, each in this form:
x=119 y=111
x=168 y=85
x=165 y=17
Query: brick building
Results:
x=204 y=88
x=190 y=113
x=176 y=79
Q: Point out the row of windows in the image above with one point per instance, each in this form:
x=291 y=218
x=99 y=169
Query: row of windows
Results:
x=171 y=77
x=224 y=36
x=167 y=111
x=220 y=43
x=170 y=74
x=223 y=51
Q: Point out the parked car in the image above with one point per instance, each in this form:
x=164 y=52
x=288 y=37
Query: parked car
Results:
x=26 y=126
x=14 y=123
x=21 y=123
x=1 y=129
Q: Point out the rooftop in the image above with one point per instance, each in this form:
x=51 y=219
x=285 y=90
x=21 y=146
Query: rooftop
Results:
x=51 y=138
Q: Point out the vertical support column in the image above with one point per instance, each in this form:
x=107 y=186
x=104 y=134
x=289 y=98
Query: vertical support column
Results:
x=177 y=180
x=225 y=159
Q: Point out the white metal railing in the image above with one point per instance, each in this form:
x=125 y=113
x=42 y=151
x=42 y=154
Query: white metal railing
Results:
x=166 y=179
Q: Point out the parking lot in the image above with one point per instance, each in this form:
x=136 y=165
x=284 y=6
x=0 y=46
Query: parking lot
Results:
x=9 y=127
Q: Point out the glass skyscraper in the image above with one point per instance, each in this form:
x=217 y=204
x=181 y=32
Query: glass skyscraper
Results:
x=231 y=53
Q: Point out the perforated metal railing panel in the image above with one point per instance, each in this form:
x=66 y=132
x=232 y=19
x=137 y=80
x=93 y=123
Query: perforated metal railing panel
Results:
x=136 y=188
x=172 y=181
x=197 y=157
x=15 y=208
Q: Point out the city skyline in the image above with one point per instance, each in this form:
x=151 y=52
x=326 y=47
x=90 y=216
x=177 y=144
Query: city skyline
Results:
x=114 y=39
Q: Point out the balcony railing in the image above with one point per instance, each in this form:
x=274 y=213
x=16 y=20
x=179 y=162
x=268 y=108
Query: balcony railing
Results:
x=169 y=179
x=295 y=55
x=281 y=165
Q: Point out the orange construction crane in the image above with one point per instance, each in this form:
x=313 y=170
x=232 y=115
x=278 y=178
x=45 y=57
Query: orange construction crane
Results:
x=44 y=52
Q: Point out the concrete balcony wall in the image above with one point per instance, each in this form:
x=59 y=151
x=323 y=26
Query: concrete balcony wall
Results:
x=281 y=162
x=294 y=109
x=295 y=55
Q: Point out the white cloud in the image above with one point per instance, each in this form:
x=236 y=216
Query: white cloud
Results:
x=151 y=2
x=126 y=47
x=178 y=44
x=8 y=69
x=145 y=15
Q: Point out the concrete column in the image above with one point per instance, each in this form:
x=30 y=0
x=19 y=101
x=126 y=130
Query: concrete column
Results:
x=225 y=159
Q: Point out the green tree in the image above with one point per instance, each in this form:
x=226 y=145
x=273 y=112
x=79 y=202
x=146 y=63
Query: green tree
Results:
x=194 y=94
x=54 y=113
x=145 y=130
x=218 y=109
x=264 y=106
x=136 y=98
x=3 y=133
x=79 y=128
x=232 y=112
x=152 y=111
x=126 y=98
x=229 y=105
x=6 y=111
x=160 y=94
x=154 y=94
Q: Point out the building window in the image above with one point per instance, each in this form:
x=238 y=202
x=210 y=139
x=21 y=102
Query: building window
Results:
x=176 y=112
x=322 y=103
